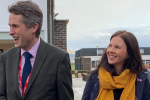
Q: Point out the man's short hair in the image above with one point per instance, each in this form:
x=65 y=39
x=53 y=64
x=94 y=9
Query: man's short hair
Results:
x=31 y=13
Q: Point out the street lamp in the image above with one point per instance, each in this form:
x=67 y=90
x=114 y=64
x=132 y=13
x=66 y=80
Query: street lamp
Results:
x=97 y=57
x=97 y=50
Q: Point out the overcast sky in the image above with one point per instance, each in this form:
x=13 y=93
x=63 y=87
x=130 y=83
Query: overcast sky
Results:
x=92 y=22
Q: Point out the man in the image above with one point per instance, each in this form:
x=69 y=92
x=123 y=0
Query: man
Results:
x=43 y=75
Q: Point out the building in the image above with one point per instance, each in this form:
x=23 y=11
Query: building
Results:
x=53 y=31
x=72 y=56
x=88 y=58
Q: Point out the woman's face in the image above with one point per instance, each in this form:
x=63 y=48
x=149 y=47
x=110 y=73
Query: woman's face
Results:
x=117 y=52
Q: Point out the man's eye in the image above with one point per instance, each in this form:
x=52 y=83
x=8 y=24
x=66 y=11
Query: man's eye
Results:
x=15 y=26
x=109 y=45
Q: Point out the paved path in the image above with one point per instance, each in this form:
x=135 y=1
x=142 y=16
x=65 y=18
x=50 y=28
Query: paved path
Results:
x=78 y=87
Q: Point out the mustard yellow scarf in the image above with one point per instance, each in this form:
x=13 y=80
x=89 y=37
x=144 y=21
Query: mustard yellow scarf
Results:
x=108 y=83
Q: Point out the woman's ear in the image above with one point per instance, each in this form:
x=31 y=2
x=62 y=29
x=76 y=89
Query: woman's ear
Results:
x=127 y=56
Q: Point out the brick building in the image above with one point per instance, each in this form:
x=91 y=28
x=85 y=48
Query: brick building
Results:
x=53 y=31
x=60 y=36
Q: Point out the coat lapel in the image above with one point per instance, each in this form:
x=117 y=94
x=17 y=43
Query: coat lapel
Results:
x=39 y=60
x=140 y=81
x=15 y=64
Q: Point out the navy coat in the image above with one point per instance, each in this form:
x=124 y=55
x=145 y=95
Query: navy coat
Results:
x=91 y=89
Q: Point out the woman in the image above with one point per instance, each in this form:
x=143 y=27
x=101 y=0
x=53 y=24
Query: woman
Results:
x=120 y=74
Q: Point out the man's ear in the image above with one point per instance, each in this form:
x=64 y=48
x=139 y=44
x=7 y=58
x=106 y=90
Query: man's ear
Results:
x=35 y=27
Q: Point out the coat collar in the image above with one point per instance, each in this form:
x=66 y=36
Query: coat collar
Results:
x=140 y=81
x=39 y=60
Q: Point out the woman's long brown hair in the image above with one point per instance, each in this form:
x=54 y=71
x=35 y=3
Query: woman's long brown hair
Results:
x=133 y=62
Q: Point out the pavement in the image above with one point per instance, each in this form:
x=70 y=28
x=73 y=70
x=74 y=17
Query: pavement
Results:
x=78 y=87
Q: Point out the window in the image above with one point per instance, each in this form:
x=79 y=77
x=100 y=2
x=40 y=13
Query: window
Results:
x=141 y=51
x=1 y=51
x=148 y=61
x=100 y=51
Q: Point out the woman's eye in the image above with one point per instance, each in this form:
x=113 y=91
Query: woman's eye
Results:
x=117 y=47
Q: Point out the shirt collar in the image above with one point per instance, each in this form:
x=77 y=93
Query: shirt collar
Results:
x=33 y=50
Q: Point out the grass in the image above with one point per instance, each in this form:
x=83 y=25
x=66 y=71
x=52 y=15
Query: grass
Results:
x=73 y=75
x=72 y=66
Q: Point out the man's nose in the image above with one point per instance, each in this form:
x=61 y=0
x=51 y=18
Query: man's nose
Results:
x=11 y=31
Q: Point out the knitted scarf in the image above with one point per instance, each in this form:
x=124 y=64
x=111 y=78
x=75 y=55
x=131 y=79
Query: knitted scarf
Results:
x=108 y=83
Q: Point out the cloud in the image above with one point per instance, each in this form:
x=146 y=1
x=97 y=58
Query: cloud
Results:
x=92 y=23
x=101 y=37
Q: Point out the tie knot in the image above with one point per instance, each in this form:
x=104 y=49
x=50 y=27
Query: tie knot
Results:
x=27 y=55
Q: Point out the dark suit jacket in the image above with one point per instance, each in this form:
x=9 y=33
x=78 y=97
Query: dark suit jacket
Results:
x=50 y=78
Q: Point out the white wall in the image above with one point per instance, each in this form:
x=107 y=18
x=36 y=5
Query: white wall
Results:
x=4 y=14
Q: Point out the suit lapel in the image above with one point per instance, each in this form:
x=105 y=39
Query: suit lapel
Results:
x=15 y=64
x=39 y=60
